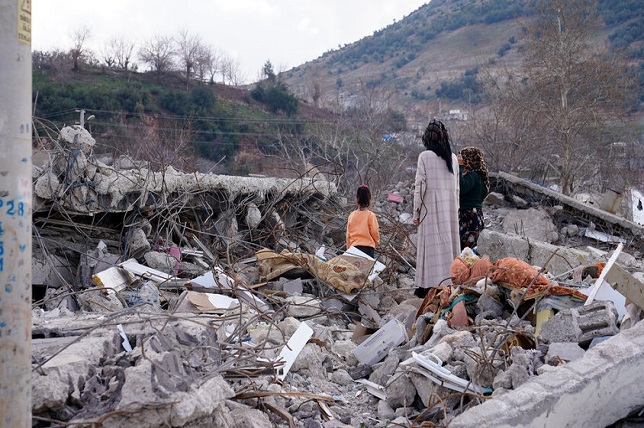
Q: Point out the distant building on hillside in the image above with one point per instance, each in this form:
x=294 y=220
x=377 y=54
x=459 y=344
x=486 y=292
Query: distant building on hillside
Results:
x=452 y=115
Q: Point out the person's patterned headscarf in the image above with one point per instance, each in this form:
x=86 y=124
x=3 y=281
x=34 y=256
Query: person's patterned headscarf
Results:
x=473 y=161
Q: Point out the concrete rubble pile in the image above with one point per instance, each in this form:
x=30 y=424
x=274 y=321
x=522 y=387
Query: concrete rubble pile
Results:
x=185 y=300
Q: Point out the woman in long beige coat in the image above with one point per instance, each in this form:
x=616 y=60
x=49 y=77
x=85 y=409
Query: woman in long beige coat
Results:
x=436 y=209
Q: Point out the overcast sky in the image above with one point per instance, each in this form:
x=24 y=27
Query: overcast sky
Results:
x=286 y=32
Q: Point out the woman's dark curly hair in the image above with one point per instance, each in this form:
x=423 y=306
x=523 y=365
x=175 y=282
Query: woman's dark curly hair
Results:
x=436 y=139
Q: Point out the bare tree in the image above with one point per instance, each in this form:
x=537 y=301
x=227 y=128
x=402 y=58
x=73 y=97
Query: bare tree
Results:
x=188 y=48
x=207 y=63
x=158 y=53
x=315 y=87
x=231 y=71
x=120 y=51
x=79 y=49
x=568 y=89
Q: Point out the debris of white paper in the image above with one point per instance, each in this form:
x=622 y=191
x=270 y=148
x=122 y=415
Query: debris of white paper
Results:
x=126 y=342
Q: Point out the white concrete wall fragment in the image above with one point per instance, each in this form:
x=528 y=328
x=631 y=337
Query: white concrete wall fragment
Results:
x=47 y=186
x=78 y=137
x=600 y=388
x=168 y=182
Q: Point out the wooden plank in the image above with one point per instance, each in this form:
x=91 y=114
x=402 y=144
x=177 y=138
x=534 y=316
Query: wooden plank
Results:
x=629 y=286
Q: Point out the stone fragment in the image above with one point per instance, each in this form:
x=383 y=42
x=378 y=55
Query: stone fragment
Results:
x=566 y=351
x=383 y=371
x=342 y=377
x=78 y=137
x=531 y=223
x=253 y=216
x=161 y=261
x=400 y=390
x=385 y=411
x=138 y=243
x=303 y=306
x=495 y=198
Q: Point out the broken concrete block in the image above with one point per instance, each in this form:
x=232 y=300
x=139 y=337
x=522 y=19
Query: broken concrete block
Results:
x=494 y=198
x=383 y=371
x=78 y=137
x=55 y=381
x=502 y=381
x=595 y=320
x=622 y=281
x=100 y=302
x=293 y=286
x=519 y=202
x=344 y=349
x=47 y=186
x=521 y=368
x=341 y=377
x=360 y=372
x=50 y=392
x=140 y=388
x=425 y=387
x=138 y=243
x=541 y=255
x=400 y=390
x=581 y=324
x=309 y=359
x=263 y=331
x=497 y=245
x=560 y=328
x=570 y=230
x=566 y=351
x=303 y=306
x=52 y=271
x=253 y=216
x=64 y=302
x=440 y=330
x=480 y=370
x=161 y=261
x=289 y=326
x=385 y=411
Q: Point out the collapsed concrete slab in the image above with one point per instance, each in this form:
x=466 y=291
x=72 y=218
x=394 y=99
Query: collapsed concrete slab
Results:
x=572 y=211
x=111 y=190
x=602 y=387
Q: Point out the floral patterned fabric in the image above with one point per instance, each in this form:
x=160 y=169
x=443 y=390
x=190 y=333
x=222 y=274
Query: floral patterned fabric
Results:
x=345 y=273
x=464 y=273
x=471 y=223
x=518 y=274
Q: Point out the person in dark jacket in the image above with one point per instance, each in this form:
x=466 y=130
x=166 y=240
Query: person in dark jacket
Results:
x=474 y=186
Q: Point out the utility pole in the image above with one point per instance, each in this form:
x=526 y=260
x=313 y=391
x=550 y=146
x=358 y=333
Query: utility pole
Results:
x=82 y=117
x=15 y=213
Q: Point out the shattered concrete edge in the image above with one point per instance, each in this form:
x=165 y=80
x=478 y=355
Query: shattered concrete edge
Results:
x=603 y=386
x=595 y=214
x=76 y=180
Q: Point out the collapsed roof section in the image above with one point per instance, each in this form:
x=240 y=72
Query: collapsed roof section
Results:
x=76 y=180
x=571 y=210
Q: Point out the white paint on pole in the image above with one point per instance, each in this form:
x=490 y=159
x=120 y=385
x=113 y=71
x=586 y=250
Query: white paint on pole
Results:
x=15 y=213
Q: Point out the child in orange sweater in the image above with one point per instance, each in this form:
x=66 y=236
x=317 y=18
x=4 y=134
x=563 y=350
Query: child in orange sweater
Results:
x=362 y=225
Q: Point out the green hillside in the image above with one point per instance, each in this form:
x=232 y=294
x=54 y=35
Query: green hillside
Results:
x=209 y=121
x=436 y=51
